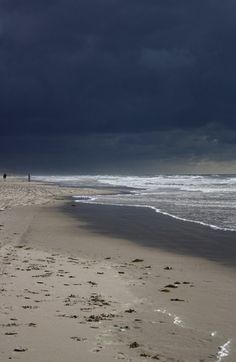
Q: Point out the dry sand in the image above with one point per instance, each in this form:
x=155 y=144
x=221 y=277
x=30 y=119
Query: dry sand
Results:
x=69 y=292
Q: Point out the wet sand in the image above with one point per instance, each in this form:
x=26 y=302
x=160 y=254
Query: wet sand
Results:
x=148 y=228
x=86 y=283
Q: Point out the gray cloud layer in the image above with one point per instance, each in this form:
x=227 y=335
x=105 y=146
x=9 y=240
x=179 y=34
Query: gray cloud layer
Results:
x=160 y=72
x=207 y=149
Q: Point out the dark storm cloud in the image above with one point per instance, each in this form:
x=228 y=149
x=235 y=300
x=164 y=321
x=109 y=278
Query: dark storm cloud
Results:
x=116 y=66
x=165 y=60
x=116 y=82
x=206 y=149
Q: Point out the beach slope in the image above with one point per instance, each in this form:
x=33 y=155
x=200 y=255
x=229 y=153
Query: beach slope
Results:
x=73 y=290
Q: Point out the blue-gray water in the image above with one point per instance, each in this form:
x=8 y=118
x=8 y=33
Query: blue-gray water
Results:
x=208 y=200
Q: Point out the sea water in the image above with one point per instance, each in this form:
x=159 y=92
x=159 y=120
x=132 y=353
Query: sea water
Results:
x=206 y=199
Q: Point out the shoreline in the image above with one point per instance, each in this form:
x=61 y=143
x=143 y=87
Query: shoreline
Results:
x=164 y=213
x=143 y=226
x=73 y=289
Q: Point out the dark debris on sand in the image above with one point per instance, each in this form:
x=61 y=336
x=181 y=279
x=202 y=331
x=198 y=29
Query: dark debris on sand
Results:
x=134 y=345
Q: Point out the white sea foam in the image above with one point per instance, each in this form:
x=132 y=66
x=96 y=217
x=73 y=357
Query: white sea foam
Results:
x=193 y=221
x=84 y=198
x=176 y=320
x=205 y=200
x=98 y=202
x=224 y=351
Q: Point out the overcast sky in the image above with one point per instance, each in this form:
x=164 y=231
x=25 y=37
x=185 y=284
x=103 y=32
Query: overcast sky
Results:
x=118 y=86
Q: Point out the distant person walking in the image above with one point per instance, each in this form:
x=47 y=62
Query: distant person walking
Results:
x=29 y=177
x=4 y=176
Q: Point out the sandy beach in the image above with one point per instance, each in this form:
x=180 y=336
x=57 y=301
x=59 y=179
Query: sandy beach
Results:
x=94 y=283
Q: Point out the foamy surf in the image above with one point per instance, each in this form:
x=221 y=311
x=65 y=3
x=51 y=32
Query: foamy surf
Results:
x=84 y=198
x=205 y=200
x=189 y=220
x=224 y=351
x=95 y=200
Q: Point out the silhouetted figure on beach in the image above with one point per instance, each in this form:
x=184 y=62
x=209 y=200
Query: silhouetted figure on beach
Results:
x=29 y=177
x=4 y=176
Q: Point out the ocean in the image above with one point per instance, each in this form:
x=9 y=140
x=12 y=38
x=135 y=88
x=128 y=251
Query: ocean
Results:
x=205 y=199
